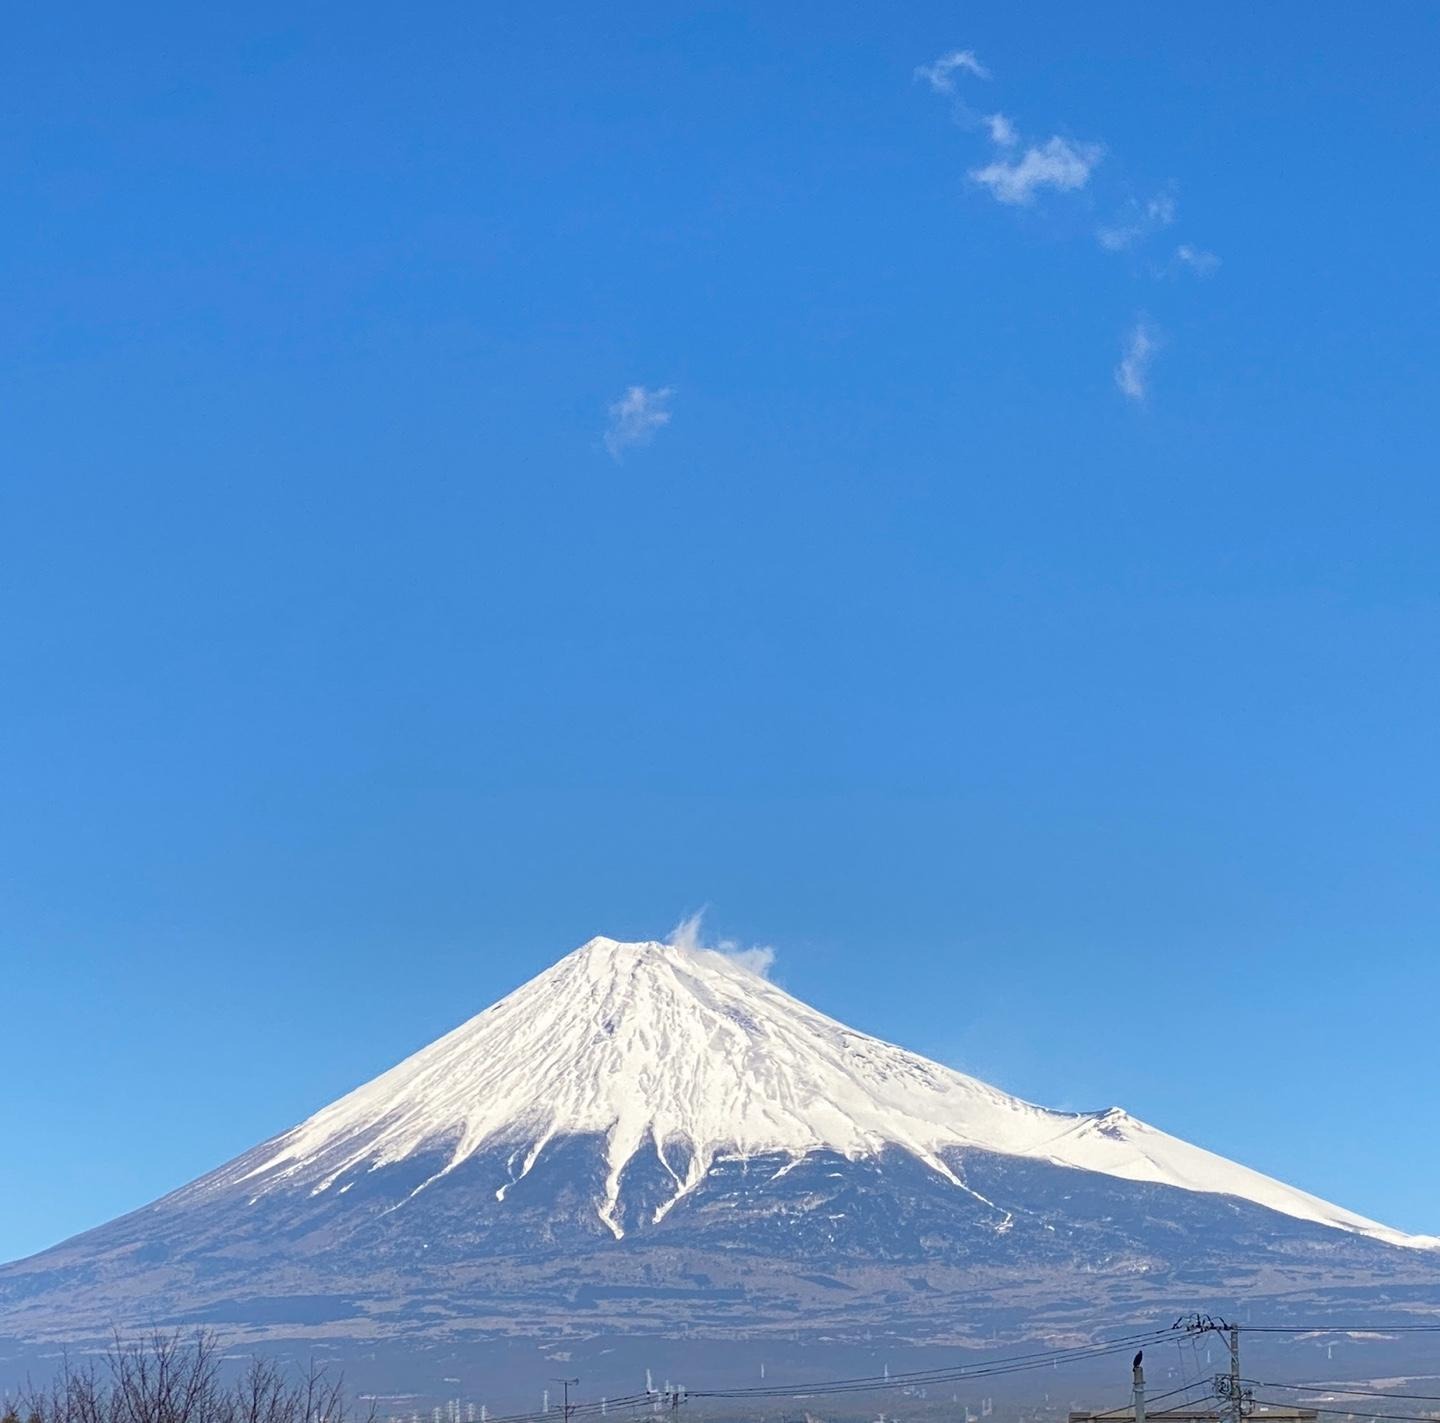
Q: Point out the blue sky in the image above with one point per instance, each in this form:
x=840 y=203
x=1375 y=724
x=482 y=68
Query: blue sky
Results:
x=481 y=480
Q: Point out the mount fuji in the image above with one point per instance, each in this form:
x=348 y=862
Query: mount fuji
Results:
x=655 y=1141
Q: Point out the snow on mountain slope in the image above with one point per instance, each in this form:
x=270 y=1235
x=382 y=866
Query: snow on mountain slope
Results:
x=694 y=1051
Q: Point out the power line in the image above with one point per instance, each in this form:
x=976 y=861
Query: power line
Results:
x=1355 y=1412
x=1352 y=1392
x=1017 y=1363
x=1153 y=1398
x=576 y=1409
x=1341 y=1328
x=1008 y=1364
x=897 y=1381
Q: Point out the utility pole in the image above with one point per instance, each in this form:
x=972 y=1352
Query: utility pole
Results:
x=1138 y=1375
x=565 y=1384
x=1229 y=1389
x=1237 y=1396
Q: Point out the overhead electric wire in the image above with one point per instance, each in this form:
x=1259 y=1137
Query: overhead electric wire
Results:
x=1339 y=1328
x=629 y=1400
x=1153 y=1398
x=1349 y=1392
x=1354 y=1412
x=1015 y=1363
x=1195 y=1358
x=957 y=1374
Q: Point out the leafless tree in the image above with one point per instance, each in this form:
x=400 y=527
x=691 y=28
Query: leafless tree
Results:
x=169 y=1378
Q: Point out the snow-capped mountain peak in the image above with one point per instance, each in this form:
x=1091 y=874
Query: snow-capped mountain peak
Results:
x=692 y=1052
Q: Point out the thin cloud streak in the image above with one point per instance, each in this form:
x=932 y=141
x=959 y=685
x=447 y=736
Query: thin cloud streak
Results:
x=635 y=418
x=1140 y=220
x=1202 y=263
x=1132 y=375
x=940 y=73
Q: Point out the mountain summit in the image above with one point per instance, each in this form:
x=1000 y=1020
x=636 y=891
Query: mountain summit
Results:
x=653 y=1140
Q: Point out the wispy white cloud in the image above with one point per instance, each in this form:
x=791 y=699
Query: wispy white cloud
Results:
x=1020 y=168
x=1002 y=131
x=1057 y=163
x=1132 y=375
x=756 y=958
x=635 y=418
x=940 y=74
x=1199 y=261
x=1137 y=222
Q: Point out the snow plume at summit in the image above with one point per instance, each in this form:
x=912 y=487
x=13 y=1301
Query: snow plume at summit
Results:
x=758 y=958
